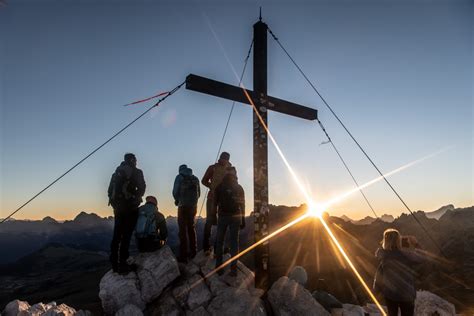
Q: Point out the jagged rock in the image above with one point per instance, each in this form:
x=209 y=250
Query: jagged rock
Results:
x=373 y=310
x=427 y=304
x=199 y=293
x=116 y=291
x=234 y=301
x=60 y=310
x=129 y=310
x=155 y=271
x=16 y=307
x=288 y=297
x=188 y=270
x=164 y=306
x=352 y=310
x=216 y=284
x=193 y=293
x=298 y=274
x=21 y=308
x=200 y=311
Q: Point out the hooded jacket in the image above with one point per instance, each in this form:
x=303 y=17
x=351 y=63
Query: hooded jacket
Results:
x=214 y=175
x=182 y=197
x=398 y=273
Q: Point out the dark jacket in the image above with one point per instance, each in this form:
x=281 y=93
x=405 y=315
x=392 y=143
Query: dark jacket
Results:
x=214 y=175
x=398 y=273
x=181 y=196
x=230 y=197
x=137 y=185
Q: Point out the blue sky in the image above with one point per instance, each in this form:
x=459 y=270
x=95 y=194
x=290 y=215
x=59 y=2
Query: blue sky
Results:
x=400 y=74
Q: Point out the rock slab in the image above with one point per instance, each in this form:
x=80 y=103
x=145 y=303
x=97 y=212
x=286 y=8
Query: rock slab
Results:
x=427 y=304
x=288 y=297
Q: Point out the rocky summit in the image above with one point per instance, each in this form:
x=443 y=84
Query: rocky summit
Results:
x=162 y=286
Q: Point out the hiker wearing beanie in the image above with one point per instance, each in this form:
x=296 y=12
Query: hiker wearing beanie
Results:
x=212 y=178
x=186 y=192
x=150 y=231
x=125 y=192
x=230 y=200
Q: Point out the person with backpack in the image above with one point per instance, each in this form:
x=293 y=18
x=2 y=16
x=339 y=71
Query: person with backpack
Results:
x=186 y=193
x=125 y=192
x=230 y=200
x=150 y=231
x=211 y=179
x=395 y=276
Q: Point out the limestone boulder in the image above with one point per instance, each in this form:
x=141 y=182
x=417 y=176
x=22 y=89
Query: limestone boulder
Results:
x=298 y=274
x=427 y=304
x=155 y=271
x=117 y=291
x=288 y=297
x=16 y=307
x=22 y=308
x=236 y=301
x=129 y=310
x=352 y=310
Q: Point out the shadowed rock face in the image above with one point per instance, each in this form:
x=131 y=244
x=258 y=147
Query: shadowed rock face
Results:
x=288 y=297
x=162 y=287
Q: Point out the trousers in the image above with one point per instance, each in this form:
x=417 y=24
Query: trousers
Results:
x=224 y=222
x=125 y=219
x=187 y=231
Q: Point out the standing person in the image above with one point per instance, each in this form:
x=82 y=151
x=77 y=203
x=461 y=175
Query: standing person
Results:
x=150 y=231
x=125 y=192
x=395 y=276
x=230 y=201
x=211 y=179
x=186 y=192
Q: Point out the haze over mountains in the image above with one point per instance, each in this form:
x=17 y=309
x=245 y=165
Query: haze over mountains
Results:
x=47 y=259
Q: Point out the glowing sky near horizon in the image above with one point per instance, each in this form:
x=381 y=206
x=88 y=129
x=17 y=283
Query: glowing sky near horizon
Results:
x=404 y=89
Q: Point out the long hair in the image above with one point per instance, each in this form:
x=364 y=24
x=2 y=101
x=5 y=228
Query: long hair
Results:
x=391 y=239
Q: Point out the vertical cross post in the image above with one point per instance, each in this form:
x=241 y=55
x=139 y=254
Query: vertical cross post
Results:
x=260 y=155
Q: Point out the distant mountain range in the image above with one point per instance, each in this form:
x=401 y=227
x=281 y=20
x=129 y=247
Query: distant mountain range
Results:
x=66 y=260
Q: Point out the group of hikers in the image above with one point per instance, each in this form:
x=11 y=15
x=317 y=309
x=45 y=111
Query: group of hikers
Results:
x=225 y=208
x=394 y=279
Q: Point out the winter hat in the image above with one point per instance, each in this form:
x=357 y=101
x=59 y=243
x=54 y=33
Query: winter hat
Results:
x=151 y=199
x=225 y=156
x=182 y=167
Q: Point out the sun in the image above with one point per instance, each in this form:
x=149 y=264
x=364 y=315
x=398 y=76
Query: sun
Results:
x=315 y=210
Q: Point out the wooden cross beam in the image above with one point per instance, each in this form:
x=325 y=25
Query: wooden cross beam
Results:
x=263 y=103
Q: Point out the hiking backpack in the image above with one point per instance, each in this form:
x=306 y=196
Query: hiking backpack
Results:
x=229 y=199
x=122 y=188
x=189 y=188
x=146 y=222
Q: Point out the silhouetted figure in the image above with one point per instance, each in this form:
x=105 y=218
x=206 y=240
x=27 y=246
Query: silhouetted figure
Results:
x=395 y=276
x=211 y=179
x=186 y=192
x=230 y=200
x=126 y=189
x=150 y=231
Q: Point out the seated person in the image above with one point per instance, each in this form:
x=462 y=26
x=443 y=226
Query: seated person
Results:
x=150 y=231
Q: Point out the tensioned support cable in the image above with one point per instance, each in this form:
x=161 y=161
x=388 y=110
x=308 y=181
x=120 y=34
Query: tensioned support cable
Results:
x=94 y=151
x=228 y=121
x=354 y=139
x=346 y=166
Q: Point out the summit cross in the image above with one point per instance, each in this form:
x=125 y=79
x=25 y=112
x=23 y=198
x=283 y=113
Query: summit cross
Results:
x=263 y=103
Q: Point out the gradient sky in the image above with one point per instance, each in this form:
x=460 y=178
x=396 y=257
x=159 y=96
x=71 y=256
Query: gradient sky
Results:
x=399 y=73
